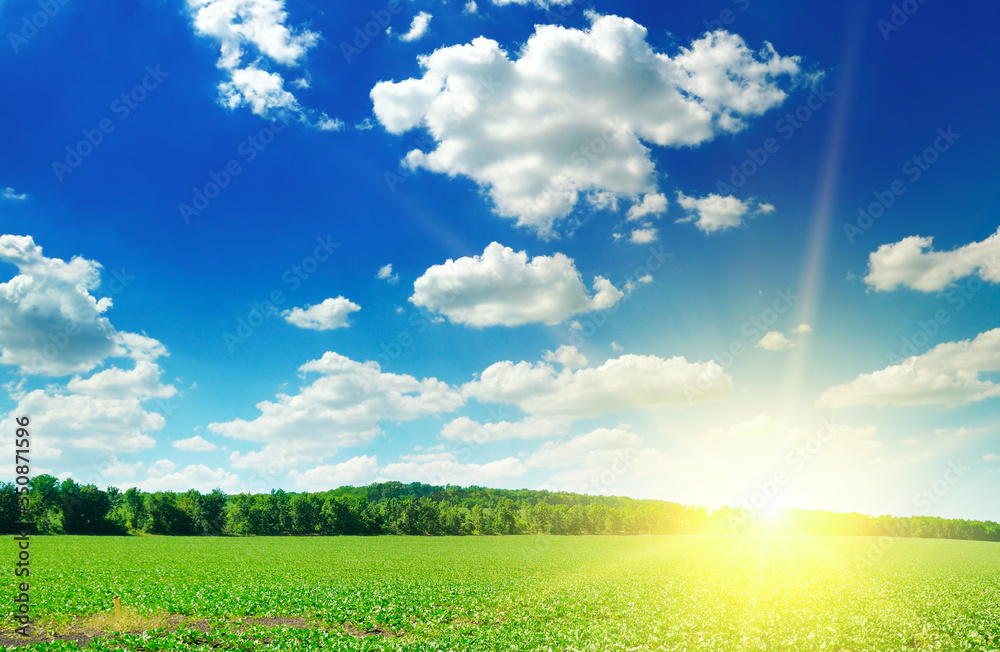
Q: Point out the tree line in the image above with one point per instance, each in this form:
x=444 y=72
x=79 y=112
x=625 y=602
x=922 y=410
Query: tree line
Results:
x=66 y=507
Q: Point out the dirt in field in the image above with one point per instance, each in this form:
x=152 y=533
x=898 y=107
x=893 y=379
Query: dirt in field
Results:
x=84 y=630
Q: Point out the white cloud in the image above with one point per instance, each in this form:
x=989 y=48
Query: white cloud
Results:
x=503 y=288
x=261 y=90
x=50 y=324
x=342 y=407
x=162 y=467
x=716 y=213
x=196 y=443
x=418 y=27
x=803 y=328
x=251 y=34
x=142 y=382
x=385 y=273
x=912 y=262
x=991 y=457
x=326 y=123
x=194 y=476
x=505 y=123
x=630 y=381
x=643 y=236
x=773 y=341
x=444 y=468
x=590 y=450
x=465 y=429
x=432 y=468
x=652 y=204
x=10 y=193
x=356 y=471
x=566 y=355
x=90 y=424
x=948 y=374
x=470 y=7
x=326 y=316
x=615 y=346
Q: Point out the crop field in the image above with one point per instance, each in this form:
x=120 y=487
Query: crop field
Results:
x=602 y=593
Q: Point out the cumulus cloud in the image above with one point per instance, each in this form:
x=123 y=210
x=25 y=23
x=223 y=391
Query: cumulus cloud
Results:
x=643 y=236
x=503 y=288
x=465 y=429
x=716 y=213
x=591 y=449
x=432 y=468
x=418 y=27
x=90 y=424
x=914 y=263
x=652 y=204
x=326 y=316
x=803 y=328
x=356 y=471
x=196 y=443
x=566 y=355
x=773 y=341
x=948 y=374
x=342 y=407
x=444 y=468
x=630 y=381
x=142 y=382
x=252 y=34
x=50 y=323
x=194 y=476
x=13 y=195
x=505 y=123
x=385 y=273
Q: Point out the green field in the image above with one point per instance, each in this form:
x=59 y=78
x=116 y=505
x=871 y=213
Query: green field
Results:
x=517 y=593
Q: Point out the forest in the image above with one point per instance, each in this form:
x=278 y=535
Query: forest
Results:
x=50 y=506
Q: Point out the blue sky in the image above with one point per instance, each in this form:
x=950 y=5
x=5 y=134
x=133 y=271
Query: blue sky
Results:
x=733 y=253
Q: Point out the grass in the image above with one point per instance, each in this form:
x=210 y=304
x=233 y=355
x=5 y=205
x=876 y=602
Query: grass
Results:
x=721 y=593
